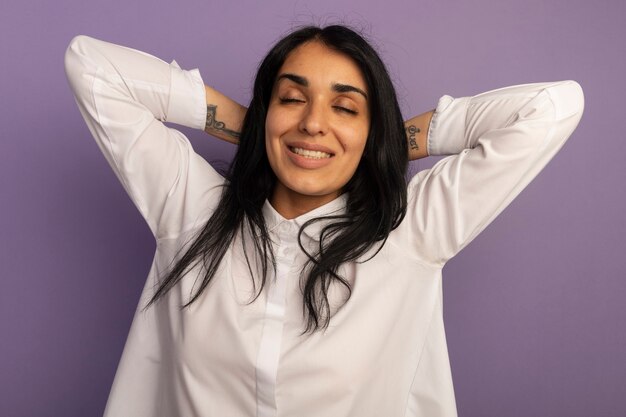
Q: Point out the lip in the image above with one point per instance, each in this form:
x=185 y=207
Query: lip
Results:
x=310 y=147
x=304 y=162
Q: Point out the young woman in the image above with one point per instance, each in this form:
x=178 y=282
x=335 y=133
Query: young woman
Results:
x=308 y=281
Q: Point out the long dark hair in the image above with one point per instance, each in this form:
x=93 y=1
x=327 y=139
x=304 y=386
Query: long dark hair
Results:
x=376 y=202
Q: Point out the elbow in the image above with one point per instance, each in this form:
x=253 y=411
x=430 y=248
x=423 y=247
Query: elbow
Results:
x=74 y=59
x=568 y=99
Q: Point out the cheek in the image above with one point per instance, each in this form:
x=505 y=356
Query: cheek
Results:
x=269 y=125
x=270 y=129
x=353 y=142
x=271 y=134
x=276 y=123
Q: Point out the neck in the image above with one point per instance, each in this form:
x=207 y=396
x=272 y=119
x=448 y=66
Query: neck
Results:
x=291 y=204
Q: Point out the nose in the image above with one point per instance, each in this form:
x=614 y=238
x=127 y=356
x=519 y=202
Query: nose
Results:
x=314 y=120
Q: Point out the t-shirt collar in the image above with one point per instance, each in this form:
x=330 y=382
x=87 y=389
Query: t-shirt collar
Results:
x=274 y=220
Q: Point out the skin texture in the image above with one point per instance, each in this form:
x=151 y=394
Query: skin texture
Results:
x=318 y=103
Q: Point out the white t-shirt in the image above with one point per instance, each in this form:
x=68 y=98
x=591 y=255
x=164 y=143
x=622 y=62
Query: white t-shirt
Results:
x=384 y=353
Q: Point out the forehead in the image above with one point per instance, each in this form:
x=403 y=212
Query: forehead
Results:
x=323 y=65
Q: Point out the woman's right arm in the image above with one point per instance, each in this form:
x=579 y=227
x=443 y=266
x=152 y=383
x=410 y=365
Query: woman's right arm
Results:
x=224 y=116
x=124 y=96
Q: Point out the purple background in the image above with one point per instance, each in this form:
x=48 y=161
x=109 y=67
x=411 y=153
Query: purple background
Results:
x=534 y=306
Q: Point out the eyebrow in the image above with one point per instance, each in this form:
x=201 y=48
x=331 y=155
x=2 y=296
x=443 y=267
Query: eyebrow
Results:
x=339 y=88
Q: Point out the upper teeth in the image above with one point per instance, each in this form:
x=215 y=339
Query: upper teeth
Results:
x=311 y=154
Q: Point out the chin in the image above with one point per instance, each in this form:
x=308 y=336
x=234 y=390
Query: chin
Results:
x=312 y=191
x=310 y=188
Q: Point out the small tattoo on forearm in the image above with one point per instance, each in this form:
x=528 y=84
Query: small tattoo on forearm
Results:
x=412 y=130
x=214 y=124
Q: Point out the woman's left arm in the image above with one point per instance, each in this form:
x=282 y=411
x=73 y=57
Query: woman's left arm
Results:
x=417 y=134
x=498 y=141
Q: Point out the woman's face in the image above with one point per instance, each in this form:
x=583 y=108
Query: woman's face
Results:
x=316 y=126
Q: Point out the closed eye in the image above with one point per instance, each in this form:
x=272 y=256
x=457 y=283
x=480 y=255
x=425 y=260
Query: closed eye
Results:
x=286 y=100
x=290 y=100
x=345 y=109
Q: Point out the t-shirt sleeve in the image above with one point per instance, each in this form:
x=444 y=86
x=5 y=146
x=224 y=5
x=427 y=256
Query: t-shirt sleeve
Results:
x=124 y=96
x=498 y=141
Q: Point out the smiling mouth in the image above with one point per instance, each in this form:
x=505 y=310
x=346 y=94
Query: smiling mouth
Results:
x=310 y=154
